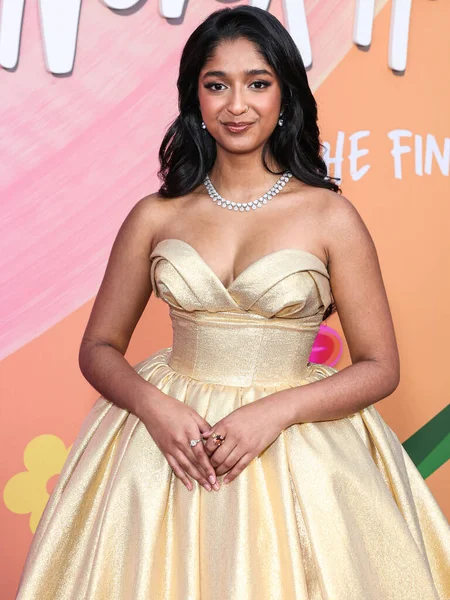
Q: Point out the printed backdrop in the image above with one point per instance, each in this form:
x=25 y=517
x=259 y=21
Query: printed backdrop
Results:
x=82 y=117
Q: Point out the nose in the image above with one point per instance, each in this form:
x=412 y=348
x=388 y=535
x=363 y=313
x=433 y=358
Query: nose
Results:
x=237 y=104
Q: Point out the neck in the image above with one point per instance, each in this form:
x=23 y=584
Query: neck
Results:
x=241 y=178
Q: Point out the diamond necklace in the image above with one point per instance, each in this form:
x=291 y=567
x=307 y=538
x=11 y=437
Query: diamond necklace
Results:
x=216 y=197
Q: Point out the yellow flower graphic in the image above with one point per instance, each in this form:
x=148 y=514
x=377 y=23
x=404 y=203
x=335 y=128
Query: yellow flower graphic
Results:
x=26 y=492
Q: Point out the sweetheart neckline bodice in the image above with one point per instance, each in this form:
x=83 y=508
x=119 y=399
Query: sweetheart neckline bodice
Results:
x=258 y=330
x=249 y=268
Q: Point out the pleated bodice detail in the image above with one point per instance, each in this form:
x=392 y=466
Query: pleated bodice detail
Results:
x=258 y=331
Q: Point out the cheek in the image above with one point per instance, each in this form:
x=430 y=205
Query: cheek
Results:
x=209 y=105
x=270 y=103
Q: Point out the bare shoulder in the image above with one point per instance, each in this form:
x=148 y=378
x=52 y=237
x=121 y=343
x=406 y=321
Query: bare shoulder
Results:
x=343 y=227
x=336 y=209
x=150 y=208
x=147 y=217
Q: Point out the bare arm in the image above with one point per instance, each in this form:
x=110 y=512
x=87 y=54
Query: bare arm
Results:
x=120 y=302
x=363 y=309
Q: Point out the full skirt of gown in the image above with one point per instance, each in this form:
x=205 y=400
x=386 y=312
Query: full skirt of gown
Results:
x=331 y=510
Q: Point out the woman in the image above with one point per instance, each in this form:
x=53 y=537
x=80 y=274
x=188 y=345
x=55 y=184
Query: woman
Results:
x=322 y=501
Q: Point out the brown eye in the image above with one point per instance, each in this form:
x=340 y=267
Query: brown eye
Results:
x=211 y=85
x=263 y=83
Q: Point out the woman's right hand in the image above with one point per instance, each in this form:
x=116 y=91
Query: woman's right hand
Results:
x=171 y=423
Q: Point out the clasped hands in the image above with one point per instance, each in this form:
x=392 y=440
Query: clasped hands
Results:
x=248 y=431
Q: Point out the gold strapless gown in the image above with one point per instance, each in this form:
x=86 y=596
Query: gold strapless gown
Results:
x=331 y=510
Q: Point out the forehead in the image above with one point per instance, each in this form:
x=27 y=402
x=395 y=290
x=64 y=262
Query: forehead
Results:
x=237 y=55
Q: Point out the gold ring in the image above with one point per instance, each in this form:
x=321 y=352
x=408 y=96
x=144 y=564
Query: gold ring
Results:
x=217 y=438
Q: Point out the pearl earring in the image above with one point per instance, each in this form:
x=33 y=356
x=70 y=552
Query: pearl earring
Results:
x=203 y=125
x=280 y=121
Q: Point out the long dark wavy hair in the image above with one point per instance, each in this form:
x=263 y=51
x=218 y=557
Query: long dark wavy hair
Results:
x=188 y=152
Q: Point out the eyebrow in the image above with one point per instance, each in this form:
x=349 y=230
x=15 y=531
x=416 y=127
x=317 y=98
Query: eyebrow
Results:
x=247 y=72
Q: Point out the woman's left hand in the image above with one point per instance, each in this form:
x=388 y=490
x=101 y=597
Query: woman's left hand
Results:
x=248 y=431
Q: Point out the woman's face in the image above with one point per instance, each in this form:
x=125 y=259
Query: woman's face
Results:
x=235 y=78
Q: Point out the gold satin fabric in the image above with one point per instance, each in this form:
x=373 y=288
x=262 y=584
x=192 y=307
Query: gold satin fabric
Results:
x=332 y=510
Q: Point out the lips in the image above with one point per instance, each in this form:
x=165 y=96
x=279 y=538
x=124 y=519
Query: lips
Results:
x=237 y=126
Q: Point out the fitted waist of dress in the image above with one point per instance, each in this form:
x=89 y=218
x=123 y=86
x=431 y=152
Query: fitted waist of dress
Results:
x=240 y=349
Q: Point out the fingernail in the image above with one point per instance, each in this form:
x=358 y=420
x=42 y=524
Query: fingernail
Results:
x=226 y=481
x=216 y=486
x=208 y=487
x=212 y=479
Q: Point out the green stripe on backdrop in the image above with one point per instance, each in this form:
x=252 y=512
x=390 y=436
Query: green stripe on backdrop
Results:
x=429 y=447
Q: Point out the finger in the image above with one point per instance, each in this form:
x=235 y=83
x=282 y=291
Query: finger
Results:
x=210 y=449
x=222 y=452
x=179 y=471
x=192 y=456
x=198 y=456
x=205 y=428
x=192 y=470
x=228 y=463
x=205 y=463
x=201 y=423
x=211 y=446
x=207 y=432
x=238 y=468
